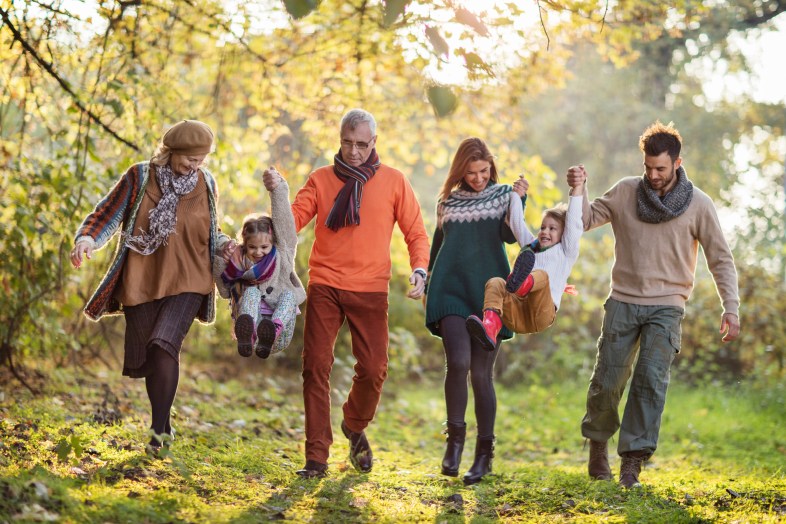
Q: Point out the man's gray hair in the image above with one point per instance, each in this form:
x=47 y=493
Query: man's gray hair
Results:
x=355 y=117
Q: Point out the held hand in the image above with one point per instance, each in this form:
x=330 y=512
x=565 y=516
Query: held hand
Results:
x=80 y=249
x=577 y=175
x=229 y=249
x=521 y=186
x=271 y=178
x=730 y=325
x=418 y=285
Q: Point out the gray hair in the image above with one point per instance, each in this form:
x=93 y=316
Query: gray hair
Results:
x=355 y=117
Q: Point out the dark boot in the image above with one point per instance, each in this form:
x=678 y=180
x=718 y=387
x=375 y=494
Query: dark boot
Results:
x=455 y=445
x=484 y=453
x=313 y=469
x=244 y=331
x=598 y=465
x=360 y=455
x=630 y=467
x=519 y=281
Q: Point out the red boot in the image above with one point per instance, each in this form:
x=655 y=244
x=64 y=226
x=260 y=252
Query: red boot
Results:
x=485 y=331
x=525 y=286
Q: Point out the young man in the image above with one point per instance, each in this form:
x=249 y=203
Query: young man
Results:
x=659 y=220
x=356 y=201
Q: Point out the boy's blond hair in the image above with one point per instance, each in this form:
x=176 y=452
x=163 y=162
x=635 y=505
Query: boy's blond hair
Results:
x=558 y=213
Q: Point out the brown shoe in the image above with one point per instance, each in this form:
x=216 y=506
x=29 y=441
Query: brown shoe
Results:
x=313 y=469
x=598 y=465
x=359 y=449
x=630 y=469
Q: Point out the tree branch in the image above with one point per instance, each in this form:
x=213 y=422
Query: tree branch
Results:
x=49 y=68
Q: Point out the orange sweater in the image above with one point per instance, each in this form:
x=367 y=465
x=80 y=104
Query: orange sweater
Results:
x=357 y=258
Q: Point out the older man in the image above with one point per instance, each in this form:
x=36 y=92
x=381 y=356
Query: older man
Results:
x=659 y=220
x=356 y=200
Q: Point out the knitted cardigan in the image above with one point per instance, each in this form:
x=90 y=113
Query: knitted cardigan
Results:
x=119 y=209
x=467 y=250
x=284 y=276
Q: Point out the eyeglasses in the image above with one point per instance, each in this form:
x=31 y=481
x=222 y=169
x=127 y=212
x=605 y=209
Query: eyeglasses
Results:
x=349 y=144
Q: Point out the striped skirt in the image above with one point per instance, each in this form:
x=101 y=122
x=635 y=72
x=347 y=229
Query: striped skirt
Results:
x=164 y=323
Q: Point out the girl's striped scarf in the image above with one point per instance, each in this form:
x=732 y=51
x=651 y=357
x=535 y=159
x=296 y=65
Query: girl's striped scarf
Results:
x=346 y=207
x=241 y=272
x=463 y=205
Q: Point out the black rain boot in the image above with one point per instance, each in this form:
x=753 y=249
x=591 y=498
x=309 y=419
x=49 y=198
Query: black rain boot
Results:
x=484 y=453
x=455 y=445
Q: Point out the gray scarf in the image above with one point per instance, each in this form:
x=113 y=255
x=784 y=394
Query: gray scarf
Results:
x=653 y=209
x=163 y=217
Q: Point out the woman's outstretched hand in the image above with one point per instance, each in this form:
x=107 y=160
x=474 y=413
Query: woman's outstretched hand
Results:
x=81 y=249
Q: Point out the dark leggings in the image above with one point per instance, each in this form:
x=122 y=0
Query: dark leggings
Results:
x=161 y=385
x=463 y=357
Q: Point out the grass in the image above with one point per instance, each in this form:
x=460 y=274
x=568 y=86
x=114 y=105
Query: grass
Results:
x=76 y=454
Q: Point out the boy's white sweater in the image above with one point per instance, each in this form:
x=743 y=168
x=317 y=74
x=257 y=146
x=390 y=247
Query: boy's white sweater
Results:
x=558 y=260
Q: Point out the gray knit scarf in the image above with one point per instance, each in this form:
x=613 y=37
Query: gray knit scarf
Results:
x=163 y=217
x=653 y=209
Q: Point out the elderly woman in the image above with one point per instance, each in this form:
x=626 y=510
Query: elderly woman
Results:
x=161 y=275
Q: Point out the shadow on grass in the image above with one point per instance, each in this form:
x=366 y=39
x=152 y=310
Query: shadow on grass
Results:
x=332 y=496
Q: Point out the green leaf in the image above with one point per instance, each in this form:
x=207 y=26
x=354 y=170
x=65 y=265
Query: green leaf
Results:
x=77 y=445
x=394 y=9
x=442 y=99
x=116 y=106
x=300 y=8
x=63 y=449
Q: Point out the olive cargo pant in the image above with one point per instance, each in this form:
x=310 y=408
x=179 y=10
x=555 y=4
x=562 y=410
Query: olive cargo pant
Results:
x=629 y=330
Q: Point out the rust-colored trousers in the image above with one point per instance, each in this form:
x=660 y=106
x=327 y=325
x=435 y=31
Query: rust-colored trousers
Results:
x=532 y=313
x=366 y=315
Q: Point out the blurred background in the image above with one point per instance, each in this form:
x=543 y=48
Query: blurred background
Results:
x=88 y=87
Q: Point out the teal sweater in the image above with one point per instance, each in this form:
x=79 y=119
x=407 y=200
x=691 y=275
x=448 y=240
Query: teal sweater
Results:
x=467 y=250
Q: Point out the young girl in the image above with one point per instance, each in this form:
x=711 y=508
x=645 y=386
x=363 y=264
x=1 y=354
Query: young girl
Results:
x=527 y=302
x=259 y=278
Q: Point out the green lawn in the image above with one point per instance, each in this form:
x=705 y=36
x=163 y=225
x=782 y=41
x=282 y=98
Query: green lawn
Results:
x=75 y=454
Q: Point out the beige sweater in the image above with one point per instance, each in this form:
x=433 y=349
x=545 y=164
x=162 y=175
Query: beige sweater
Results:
x=655 y=264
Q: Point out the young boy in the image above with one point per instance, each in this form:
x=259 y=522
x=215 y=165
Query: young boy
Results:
x=527 y=302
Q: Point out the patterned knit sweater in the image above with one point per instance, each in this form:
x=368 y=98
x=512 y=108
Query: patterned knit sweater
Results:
x=467 y=250
x=118 y=209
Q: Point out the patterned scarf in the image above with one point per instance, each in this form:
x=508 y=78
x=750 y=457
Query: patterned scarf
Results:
x=346 y=207
x=241 y=272
x=163 y=217
x=653 y=209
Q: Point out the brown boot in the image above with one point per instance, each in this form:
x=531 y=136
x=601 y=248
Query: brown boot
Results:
x=598 y=465
x=630 y=469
